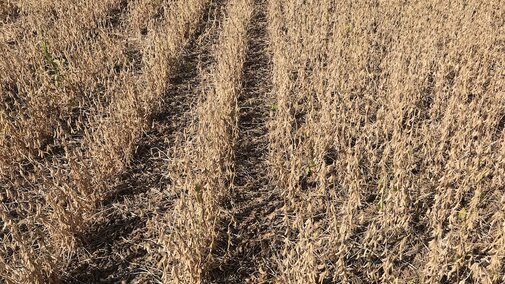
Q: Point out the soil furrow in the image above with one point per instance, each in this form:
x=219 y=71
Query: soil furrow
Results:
x=254 y=201
x=116 y=248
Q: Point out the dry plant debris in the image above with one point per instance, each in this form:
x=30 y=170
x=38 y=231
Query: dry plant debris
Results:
x=252 y=141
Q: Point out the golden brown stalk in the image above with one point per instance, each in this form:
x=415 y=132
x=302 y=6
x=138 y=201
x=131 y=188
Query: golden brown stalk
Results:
x=64 y=190
x=46 y=77
x=205 y=170
x=385 y=133
x=386 y=141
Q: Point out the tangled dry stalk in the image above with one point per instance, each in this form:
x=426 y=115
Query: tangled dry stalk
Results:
x=296 y=141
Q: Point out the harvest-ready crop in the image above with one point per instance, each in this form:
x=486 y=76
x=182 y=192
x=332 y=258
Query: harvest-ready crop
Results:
x=252 y=141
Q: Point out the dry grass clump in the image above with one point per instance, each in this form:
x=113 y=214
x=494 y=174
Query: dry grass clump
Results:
x=203 y=173
x=388 y=140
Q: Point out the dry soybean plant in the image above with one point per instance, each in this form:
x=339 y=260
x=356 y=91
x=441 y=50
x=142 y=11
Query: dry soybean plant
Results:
x=388 y=140
x=49 y=197
x=379 y=127
x=203 y=173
